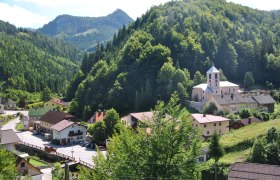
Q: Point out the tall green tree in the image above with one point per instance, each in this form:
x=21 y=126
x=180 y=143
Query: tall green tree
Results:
x=248 y=80
x=98 y=131
x=216 y=150
x=167 y=151
x=111 y=119
x=7 y=165
x=258 y=152
x=46 y=94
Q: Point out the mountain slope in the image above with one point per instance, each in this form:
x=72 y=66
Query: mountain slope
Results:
x=30 y=61
x=168 y=49
x=86 y=32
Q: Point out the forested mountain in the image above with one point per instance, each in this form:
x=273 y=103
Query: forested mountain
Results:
x=31 y=61
x=86 y=32
x=168 y=49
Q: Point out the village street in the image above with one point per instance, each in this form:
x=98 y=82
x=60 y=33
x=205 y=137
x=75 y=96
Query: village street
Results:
x=79 y=152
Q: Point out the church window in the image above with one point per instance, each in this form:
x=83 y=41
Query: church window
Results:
x=209 y=76
x=233 y=89
x=229 y=89
x=216 y=76
x=203 y=97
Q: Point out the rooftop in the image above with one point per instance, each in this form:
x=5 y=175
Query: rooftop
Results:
x=253 y=171
x=54 y=117
x=264 y=99
x=203 y=118
x=204 y=86
x=8 y=137
x=143 y=116
x=62 y=125
x=213 y=69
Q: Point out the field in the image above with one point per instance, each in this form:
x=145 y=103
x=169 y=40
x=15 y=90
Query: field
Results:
x=238 y=143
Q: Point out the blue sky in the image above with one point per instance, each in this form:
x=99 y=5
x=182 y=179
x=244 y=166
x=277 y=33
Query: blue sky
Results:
x=36 y=13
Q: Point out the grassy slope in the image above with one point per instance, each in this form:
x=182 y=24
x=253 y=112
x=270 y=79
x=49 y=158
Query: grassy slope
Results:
x=238 y=143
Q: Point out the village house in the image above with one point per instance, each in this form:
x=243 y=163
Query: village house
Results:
x=53 y=117
x=26 y=169
x=137 y=119
x=8 y=139
x=214 y=86
x=233 y=103
x=243 y=170
x=98 y=116
x=67 y=132
x=265 y=101
x=8 y=103
x=210 y=123
x=244 y=122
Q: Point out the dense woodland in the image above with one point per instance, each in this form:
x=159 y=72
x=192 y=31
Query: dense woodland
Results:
x=168 y=49
x=86 y=32
x=30 y=61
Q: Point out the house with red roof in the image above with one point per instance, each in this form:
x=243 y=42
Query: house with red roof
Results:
x=210 y=123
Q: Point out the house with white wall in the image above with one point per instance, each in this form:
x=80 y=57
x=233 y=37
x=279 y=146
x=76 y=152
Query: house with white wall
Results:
x=8 y=139
x=67 y=132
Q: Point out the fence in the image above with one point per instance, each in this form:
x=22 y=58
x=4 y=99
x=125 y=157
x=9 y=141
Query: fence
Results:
x=64 y=156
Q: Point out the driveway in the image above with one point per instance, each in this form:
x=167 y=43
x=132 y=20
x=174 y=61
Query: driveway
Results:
x=11 y=124
x=79 y=152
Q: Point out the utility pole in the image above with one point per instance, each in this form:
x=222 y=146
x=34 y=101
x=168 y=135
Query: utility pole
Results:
x=66 y=171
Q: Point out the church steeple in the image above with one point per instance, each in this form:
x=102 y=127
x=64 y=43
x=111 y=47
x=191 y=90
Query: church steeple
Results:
x=213 y=77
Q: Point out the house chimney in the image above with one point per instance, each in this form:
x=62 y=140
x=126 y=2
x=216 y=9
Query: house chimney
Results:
x=204 y=115
x=249 y=120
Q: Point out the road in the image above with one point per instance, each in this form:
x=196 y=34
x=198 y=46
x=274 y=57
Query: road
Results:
x=79 y=152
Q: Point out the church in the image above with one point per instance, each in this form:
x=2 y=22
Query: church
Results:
x=202 y=92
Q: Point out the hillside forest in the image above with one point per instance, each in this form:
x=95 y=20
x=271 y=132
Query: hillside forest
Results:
x=170 y=48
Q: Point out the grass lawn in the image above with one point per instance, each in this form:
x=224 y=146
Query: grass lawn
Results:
x=248 y=133
x=238 y=143
x=36 y=162
x=20 y=126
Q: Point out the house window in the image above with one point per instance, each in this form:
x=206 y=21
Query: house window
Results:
x=72 y=126
x=22 y=164
x=214 y=124
x=220 y=124
x=205 y=125
x=207 y=132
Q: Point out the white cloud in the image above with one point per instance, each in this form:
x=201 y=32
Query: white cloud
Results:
x=259 y=4
x=21 y=17
x=134 y=8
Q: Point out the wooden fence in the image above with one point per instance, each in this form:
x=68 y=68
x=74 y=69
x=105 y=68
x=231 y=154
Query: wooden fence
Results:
x=64 y=156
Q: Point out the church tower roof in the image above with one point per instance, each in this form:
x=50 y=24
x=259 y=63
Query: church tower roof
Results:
x=213 y=69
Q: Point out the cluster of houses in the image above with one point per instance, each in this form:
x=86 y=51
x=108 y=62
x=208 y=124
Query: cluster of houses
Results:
x=227 y=96
x=6 y=103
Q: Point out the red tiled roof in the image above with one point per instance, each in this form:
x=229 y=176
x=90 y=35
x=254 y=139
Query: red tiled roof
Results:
x=253 y=171
x=203 y=118
x=62 y=125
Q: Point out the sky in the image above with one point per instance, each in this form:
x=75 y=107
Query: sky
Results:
x=36 y=13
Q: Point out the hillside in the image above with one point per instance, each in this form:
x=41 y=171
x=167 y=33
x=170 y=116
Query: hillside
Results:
x=170 y=48
x=86 y=32
x=238 y=143
x=30 y=61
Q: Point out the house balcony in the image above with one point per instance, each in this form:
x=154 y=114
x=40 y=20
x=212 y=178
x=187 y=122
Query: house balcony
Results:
x=72 y=134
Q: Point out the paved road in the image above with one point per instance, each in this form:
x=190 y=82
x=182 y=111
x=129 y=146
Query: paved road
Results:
x=79 y=152
x=11 y=124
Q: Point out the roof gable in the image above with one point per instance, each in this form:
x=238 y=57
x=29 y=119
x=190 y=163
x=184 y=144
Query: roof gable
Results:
x=8 y=137
x=213 y=69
